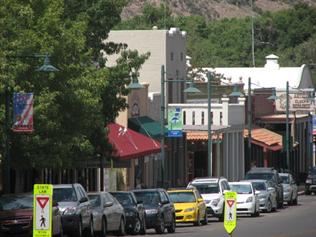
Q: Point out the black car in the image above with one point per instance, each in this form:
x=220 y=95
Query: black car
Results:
x=134 y=212
x=160 y=212
x=310 y=183
x=75 y=209
x=269 y=174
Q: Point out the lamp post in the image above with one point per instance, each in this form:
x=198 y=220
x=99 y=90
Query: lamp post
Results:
x=46 y=67
x=249 y=119
x=163 y=108
x=209 y=124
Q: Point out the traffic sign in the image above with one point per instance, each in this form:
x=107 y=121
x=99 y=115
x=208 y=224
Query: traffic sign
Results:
x=230 y=221
x=42 y=211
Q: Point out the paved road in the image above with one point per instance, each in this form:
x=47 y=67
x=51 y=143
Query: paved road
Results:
x=292 y=221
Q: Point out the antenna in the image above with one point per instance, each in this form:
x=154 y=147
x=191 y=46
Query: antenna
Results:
x=252 y=35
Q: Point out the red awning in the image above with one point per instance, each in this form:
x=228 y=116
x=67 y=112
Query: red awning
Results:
x=130 y=144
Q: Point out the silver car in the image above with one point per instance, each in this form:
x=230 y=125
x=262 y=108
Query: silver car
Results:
x=289 y=188
x=267 y=194
x=108 y=214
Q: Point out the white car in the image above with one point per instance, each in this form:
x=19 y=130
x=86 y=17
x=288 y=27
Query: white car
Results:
x=212 y=192
x=267 y=194
x=247 y=198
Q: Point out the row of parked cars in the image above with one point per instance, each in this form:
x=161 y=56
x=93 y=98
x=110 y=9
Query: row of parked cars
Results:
x=77 y=213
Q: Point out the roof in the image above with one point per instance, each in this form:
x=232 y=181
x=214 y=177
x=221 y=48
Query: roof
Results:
x=146 y=126
x=271 y=75
x=282 y=117
x=265 y=138
x=201 y=136
x=129 y=144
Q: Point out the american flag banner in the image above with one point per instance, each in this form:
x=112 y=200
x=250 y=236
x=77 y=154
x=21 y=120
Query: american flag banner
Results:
x=23 y=112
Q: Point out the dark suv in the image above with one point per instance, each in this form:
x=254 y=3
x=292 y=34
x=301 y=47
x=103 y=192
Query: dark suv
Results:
x=269 y=174
x=75 y=209
x=310 y=183
x=160 y=212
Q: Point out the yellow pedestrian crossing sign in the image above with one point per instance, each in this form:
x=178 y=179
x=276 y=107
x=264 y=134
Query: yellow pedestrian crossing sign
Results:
x=42 y=210
x=230 y=220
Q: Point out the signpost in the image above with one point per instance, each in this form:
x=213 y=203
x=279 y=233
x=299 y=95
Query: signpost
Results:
x=42 y=211
x=175 y=122
x=230 y=220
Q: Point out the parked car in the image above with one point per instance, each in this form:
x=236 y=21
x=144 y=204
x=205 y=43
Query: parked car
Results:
x=247 y=198
x=16 y=215
x=269 y=174
x=212 y=191
x=289 y=188
x=159 y=209
x=310 y=183
x=108 y=214
x=134 y=211
x=267 y=194
x=190 y=206
x=75 y=208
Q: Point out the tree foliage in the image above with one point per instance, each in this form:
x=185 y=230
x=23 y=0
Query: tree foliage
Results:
x=71 y=106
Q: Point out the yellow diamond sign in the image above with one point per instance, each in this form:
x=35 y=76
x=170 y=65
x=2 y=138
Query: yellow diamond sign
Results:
x=230 y=219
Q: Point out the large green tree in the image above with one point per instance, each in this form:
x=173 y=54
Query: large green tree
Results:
x=72 y=106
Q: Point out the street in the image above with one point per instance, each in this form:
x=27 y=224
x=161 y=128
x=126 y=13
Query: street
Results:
x=291 y=221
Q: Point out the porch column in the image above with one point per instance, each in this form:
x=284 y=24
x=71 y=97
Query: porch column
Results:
x=218 y=156
x=265 y=157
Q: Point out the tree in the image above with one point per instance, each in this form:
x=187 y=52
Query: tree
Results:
x=71 y=106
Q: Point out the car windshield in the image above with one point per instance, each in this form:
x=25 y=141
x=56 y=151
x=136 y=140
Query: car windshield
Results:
x=64 y=195
x=207 y=188
x=124 y=198
x=312 y=171
x=182 y=197
x=148 y=197
x=14 y=202
x=265 y=176
x=241 y=188
x=95 y=200
x=260 y=186
x=285 y=179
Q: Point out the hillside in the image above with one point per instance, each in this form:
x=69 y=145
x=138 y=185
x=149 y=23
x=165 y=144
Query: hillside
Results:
x=214 y=9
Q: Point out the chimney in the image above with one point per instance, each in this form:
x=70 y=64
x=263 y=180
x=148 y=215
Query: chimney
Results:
x=272 y=62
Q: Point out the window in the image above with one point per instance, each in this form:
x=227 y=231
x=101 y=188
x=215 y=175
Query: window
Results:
x=202 y=118
x=171 y=56
x=184 y=117
x=221 y=118
x=181 y=56
x=193 y=118
x=163 y=197
x=211 y=117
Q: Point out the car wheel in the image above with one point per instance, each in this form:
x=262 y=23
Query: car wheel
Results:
x=121 y=230
x=295 y=201
x=136 y=227
x=78 y=230
x=160 y=228
x=103 y=228
x=172 y=227
x=143 y=228
x=198 y=220
x=205 y=220
x=269 y=206
x=307 y=192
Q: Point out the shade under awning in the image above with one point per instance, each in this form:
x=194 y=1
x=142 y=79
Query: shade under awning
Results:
x=129 y=144
x=145 y=125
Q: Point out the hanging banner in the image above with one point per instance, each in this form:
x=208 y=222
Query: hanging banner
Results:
x=175 y=122
x=23 y=112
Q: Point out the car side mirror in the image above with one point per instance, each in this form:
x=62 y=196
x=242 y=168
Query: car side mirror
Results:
x=200 y=200
x=55 y=204
x=164 y=202
x=139 y=202
x=83 y=199
x=108 y=204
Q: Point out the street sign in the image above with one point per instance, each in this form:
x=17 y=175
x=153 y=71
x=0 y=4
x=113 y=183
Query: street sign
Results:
x=175 y=122
x=42 y=211
x=230 y=221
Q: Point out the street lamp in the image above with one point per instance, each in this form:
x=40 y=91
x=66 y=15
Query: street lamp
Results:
x=190 y=89
x=287 y=133
x=209 y=124
x=46 y=67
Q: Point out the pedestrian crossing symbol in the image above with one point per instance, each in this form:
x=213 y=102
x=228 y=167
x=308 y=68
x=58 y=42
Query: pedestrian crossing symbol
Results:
x=230 y=212
x=42 y=211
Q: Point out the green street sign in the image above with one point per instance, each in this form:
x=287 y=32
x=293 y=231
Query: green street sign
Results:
x=42 y=210
x=230 y=218
x=175 y=122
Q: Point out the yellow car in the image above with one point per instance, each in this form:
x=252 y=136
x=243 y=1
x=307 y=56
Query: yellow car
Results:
x=189 y=205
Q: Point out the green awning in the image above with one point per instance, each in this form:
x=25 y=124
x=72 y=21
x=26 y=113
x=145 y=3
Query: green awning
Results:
x=146 y=126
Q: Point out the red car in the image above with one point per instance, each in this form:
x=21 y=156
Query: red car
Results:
x=16 y=215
